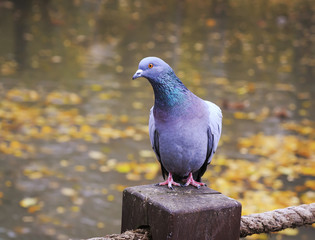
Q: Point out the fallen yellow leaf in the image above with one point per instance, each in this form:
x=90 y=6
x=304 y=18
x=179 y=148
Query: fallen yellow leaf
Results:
x=28 y=202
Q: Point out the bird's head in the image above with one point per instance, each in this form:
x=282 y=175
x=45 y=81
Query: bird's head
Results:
x=151 y=68
x=168 y=89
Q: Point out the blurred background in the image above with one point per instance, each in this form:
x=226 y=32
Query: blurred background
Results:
x=73 y=125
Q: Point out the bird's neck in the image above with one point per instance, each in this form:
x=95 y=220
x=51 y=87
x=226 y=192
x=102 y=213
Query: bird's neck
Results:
x=169 y=92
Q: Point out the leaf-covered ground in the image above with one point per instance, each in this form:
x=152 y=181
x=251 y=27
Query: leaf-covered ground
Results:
x=279 y=173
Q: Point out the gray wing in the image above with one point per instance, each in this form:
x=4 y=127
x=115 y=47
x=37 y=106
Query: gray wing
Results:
x=154 y=138
x=214 y=129
x=214 y=133
x=152 y=128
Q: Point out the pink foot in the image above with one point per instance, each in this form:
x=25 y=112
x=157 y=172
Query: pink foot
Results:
x=191 y=181
x=169 y=182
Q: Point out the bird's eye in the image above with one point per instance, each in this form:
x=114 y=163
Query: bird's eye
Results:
x=150 y=65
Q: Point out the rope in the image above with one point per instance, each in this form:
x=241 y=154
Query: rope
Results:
x=138 y=234
x=266 y=222
x=277 y=220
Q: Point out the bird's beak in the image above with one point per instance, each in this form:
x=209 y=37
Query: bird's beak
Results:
x=137 y=74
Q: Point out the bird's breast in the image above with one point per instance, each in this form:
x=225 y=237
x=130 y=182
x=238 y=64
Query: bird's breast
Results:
x=184 y=113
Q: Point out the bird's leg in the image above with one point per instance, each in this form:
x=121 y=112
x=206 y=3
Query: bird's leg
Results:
x=191 y=181
x=169 y=182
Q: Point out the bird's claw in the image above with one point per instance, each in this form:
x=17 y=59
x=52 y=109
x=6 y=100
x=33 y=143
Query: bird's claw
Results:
x=169 y=182
x=191 y=181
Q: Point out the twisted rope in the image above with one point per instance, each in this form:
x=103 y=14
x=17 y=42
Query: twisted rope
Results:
x=138 y=234
x=277 y=220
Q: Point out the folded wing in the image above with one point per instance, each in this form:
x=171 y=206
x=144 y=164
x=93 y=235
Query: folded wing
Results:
x=154 y=138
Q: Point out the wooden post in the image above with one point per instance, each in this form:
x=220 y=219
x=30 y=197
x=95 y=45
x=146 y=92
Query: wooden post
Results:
x=183 y=213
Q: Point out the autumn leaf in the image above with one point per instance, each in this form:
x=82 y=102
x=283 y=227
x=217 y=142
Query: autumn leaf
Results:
x=28 y=202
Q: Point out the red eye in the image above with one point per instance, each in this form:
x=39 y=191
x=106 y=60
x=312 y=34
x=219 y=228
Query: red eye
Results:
x=150 y=65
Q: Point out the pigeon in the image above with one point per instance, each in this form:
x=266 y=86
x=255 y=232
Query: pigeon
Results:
x=184 y=129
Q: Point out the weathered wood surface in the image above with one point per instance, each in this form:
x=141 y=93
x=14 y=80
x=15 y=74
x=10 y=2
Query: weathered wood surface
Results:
x=194 y=210
x=290 y=217
x=182 y=213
